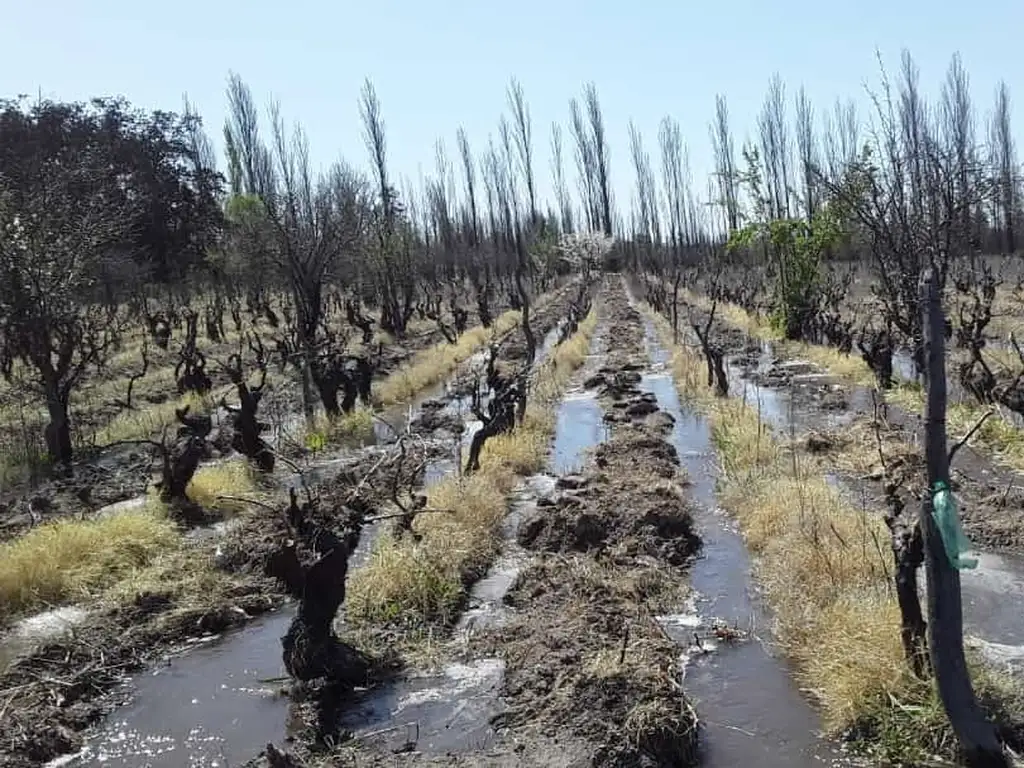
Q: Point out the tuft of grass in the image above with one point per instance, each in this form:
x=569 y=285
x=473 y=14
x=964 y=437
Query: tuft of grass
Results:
x=234 y=477
x=414 y=583
x=435 y=364
x=143 y=423
x=825 y=568
x=68 y=560
x=357 y=424
x=410 y=583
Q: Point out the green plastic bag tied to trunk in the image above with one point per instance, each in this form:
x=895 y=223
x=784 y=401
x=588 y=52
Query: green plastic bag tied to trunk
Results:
x=954 y=540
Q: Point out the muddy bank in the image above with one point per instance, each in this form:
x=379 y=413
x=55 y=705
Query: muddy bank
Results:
x=585 y=659
x=215 y=583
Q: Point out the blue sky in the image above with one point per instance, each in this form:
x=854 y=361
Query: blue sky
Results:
x=438 y=65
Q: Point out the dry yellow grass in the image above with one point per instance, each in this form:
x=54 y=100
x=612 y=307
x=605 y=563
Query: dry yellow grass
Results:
x=435 y=364
x=71 y=560
x=820 y=561
x=143 y=423
x=234 y=477
x=416 y=583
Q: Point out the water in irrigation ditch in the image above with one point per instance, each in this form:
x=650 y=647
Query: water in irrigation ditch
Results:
x=752 y=712
x=452 y=711
x=219 y=704
x=993 y=625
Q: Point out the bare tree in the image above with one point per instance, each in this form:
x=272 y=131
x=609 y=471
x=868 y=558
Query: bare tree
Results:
x=58 y=236
x=558 y=177
x=315 y=221
x=775 y=149
x=397 y=282
x=1003 y=159
x=586 y=167
x=726 y=177
x=599 y=156
x=807 y=149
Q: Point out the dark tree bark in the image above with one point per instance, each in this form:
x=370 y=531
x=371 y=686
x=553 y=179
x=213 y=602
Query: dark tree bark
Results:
x=978 y=738
x=247 y=427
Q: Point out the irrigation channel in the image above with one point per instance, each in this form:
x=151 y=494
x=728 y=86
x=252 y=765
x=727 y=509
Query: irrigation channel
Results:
x=992 y=592
x=218 y=701
x=218 y=704
x=750 y=710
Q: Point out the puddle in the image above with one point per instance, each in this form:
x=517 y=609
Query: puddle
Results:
x=579 y=424
x=437 y=714
x=992 y=594
x=211 y=707
x=752 y=711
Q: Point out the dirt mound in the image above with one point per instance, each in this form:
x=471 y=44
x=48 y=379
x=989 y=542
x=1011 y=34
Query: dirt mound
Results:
x=586 y=661
x=634 y=506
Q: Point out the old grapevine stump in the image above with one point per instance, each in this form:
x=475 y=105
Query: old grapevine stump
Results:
x=311 y=649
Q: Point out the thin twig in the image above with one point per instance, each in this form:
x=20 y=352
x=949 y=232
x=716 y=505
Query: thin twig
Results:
x=375 y=518
x=963 y=441
x=243 y=499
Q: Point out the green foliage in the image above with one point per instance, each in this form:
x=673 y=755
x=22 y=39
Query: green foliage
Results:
x=316 y=442
x=795 y=248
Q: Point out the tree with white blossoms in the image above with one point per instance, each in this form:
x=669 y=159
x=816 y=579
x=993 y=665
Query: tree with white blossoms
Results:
x=585 y=251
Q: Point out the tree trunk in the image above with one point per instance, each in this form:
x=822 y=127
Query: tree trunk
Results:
x=524 y=300
x=58 y=431
x=308 y=397
x=977 y=736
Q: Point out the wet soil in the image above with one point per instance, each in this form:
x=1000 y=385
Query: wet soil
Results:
x=66 y=686
x=584 y=655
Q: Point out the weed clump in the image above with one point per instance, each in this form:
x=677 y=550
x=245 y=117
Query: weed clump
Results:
x=68 y=560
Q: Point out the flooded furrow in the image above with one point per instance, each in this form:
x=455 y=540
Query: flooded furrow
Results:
x=751 y=710
x=452 y=711
x=991 y=592
x=219 y=704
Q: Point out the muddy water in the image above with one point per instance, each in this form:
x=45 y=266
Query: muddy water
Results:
x=217 y=705
x=753 y=713
x=451 y=711
x=214 y=707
